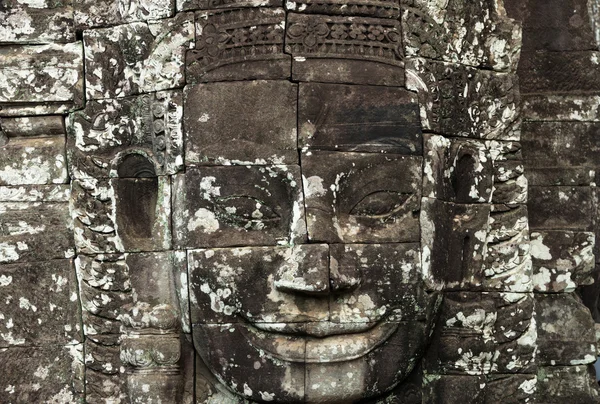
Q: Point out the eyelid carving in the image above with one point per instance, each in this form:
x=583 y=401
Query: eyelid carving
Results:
x=381 y=204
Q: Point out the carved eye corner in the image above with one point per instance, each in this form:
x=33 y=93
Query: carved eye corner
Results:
x=246 y=211
x=381 y=205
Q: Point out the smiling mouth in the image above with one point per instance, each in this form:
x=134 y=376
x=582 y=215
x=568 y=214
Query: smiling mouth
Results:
x=319 y=342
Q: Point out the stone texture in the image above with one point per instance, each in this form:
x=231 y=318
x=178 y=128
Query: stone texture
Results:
x=241 y=44
x=34 y=231
x=565 y=107
x=336 y=49
x=99 y=13
x=233 y=206
x=129 y=138
x=562 y=260
x=48 y=77
x=257 y=127
x=459 y=100
x=52 y=373
x=138 y=57
x=370 y=119
x=483 y=334
x=23 y=22
x=560 y=207
x=476 y=34
x=33 y=161
x=359 y=198
x=39 y=305
x=565 y=331
x=559 y=383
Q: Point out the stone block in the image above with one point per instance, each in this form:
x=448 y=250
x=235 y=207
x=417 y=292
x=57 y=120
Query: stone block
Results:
x=35 y=193
x=238 y=206
x=33 y=161
x=100 y=13
x=24 y=22
x=360 y=198
x=242 y=44
x=460 y=100
x=484 y=334
x=129 y=137
x=560 y=207
x=138 y=57
x=360 y=50
x=510 y=183
x=351 y=8
x=559 y=72
x=56 y=83
x=246 y=123
x=559 y=383
x=52 y=373
x=563 y=107
x=34 y=231
x=224 y=4
x=370 y=119
x=562 y=260
x=40 y=304
x=468 y=33
x=457 y=170
x=565 y=331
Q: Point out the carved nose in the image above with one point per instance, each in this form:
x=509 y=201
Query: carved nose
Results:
x=307 y=269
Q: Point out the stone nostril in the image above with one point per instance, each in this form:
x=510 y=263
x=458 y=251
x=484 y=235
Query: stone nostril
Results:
x=343 y=279
x=305 y=270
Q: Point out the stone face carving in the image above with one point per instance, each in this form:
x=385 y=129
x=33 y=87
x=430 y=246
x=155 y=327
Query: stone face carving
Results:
x=312 y=201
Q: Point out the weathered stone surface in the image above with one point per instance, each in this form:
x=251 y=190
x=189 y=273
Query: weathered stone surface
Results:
x=562 y=260
x=453 y=238
x=39 y=304
x=510 y=181
x=367 y=8
x=336 y=49
x=310 y=288
x=119 y=215
x=32 y=161
x=370 y=119
x=463 y=101
x=232 y=206
x=554 y=25
x=455 y=389
x=565 y=331
x=484 y=333
x=559 y=383
x=131 y=137
x=257 y=126
x=360 y=198
x=137 y=58
x=35 y=193
x=52 y=374
x=34 y=231
x=507 y=262
x=260 y=285
x=43 y=74
x=559 y=72
x=560 y=207
x=477 y=34
x=227 y=4
x=457 y=170
x=98 y=13
x=48 y=125
x=31 y=22
x=552 y=108
x=241 y=44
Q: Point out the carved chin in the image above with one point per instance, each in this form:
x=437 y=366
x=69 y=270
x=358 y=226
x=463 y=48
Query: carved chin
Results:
x=286 y=368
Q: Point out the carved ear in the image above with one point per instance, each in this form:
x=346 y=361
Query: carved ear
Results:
x=136 y=166
x=137 y=194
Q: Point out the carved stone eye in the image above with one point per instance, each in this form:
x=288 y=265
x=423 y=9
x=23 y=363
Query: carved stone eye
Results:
x=246 y=211
x=380 y=204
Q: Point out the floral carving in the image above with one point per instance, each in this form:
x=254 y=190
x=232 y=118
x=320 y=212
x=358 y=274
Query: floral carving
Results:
x=312 y=33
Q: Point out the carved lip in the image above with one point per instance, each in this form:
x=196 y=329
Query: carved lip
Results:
x=308 y=349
